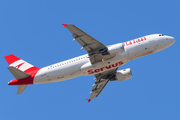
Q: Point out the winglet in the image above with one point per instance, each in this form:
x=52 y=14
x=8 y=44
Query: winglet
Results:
x=88 y=100
x=64 y=25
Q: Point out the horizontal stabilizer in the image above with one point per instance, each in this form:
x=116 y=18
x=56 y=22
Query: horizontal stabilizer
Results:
x=18 y=74
x=21 y=88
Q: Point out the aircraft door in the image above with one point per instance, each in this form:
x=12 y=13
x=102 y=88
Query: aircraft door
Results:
x=59 y=76
x=43 y=76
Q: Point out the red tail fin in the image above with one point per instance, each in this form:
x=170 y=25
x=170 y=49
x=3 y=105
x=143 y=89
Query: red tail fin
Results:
x=20 y=64
x=11 y=59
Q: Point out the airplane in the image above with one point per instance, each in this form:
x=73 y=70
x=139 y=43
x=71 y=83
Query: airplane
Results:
x=101 y=61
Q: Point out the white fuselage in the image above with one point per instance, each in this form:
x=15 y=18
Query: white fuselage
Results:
x=81 y=65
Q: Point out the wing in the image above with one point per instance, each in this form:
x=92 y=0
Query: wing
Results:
x=91 y=45
x=101 y=81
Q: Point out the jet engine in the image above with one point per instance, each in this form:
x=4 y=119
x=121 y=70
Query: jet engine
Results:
x=114 y=49
x=122 y=75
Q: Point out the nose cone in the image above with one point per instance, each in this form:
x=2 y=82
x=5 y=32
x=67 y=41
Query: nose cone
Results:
x=171 y=40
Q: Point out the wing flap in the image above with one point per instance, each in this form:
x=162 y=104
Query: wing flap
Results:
x=97 y=88
x=102 y=80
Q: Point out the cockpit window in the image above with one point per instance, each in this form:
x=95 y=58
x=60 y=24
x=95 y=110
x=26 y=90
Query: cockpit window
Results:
x=161 y=34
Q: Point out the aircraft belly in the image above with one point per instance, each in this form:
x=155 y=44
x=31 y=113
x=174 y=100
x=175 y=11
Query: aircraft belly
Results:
x=65 y=74
x=57 y=74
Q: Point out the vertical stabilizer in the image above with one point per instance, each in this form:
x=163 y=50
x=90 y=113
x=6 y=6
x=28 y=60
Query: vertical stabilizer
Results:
x=22 y=71
x=19 y=63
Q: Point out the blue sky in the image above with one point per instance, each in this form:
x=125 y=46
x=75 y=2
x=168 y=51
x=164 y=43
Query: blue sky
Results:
x=32 y=30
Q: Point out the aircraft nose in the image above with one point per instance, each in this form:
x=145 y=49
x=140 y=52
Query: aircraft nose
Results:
x=171 y=40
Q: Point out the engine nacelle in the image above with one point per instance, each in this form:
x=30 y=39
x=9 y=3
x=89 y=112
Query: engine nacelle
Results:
x=122 y=75
x=115 y=49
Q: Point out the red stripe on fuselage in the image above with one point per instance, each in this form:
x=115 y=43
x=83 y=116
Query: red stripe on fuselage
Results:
x=25 y=81
x=32 y=70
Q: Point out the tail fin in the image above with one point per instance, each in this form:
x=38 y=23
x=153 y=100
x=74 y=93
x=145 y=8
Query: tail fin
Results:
x=18 y=63
x=22 y=71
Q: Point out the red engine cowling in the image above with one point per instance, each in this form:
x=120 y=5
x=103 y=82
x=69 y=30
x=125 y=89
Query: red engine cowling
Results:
x=122 y=75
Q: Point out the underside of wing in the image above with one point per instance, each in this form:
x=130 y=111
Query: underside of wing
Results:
x=98 y=87
x=91 y=45
x=86 y=41
x=101 y=81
